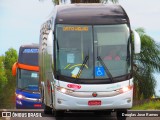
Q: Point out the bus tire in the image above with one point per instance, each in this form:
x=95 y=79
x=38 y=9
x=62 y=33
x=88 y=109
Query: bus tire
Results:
x=47 y=110
x=119 y=114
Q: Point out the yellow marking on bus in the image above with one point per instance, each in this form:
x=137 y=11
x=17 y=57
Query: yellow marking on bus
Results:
x=75 y=28
x=67 y=66
x=78 y=65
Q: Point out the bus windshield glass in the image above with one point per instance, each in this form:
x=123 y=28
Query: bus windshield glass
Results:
x=27 y=80
x=107 y=48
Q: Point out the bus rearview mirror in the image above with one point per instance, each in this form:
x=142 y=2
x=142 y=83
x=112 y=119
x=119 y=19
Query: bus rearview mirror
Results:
x=137 y=42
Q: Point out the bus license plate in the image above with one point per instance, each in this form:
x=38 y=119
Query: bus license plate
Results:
x=94 y=102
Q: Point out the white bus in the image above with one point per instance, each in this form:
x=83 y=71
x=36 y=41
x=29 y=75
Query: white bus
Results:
x=86 y=59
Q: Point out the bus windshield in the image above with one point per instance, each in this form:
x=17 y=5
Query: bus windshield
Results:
x=107 y=48
x=27 y=80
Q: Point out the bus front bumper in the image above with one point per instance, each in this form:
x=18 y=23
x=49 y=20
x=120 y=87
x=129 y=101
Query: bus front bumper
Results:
x=67 y=102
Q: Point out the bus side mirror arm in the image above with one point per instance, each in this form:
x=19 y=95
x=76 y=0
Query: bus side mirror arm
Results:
x=14 y=69
x=137 y=42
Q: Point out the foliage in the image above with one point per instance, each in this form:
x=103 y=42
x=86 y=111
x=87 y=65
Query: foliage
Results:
x=56 y=2
x=3 y=78
x=152 y=105
x=7 y=93
x=147 y=62
x=10 y=58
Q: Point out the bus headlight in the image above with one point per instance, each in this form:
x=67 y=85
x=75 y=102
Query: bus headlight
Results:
x=19 y=96
x=63 y=90
x=124 y=89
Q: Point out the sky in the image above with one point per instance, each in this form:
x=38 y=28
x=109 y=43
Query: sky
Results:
x=144 y=13
x=20 y=21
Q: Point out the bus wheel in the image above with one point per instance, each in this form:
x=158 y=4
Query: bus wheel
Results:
x=120 y=114
x=47 y=110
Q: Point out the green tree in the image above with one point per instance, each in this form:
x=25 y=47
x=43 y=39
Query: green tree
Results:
x=8 y=92
x=10 y=58
x=148 y=61
x=3 y=79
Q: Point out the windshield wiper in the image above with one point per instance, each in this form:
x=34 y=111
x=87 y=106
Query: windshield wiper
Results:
x=82 y=66
x=24 y=88
x=105 y=67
